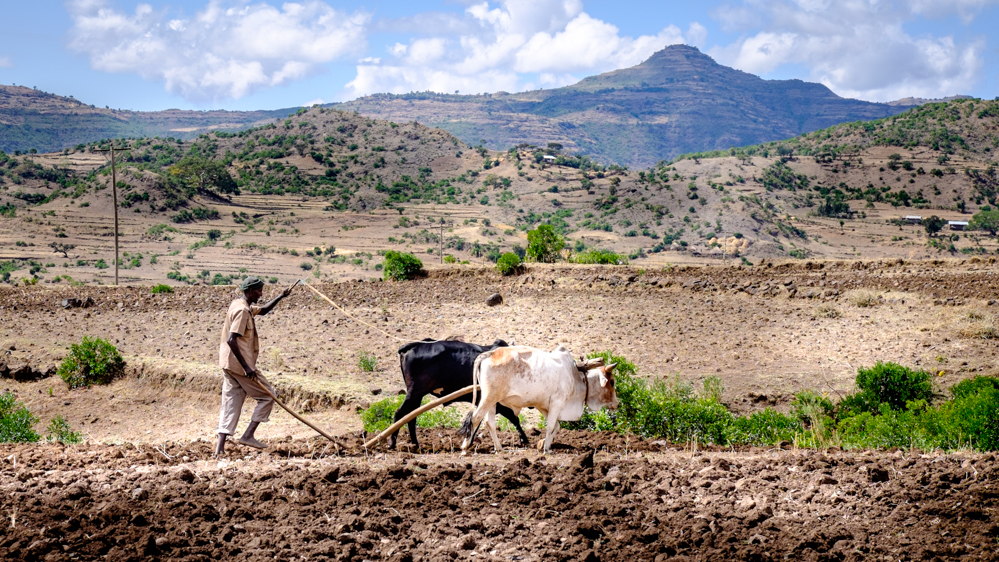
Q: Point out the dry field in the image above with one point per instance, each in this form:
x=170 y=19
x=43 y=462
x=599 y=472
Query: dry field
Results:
x=143 y=483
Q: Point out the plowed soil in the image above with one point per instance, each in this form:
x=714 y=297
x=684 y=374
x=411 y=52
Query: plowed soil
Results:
x=628 y=501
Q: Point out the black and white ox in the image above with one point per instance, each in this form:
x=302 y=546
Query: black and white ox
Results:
x=525 y=377
x=440 y=368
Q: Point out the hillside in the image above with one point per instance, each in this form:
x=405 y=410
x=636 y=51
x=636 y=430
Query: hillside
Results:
x=354 y=186
x=679 y=100
x=31 y=119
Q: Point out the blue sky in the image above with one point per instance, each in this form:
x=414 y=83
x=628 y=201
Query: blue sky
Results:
x=235 y=54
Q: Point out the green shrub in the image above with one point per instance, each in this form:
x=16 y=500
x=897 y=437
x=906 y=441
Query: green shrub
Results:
x=92 y=361
x=368 y=362
x=974 y=386
x=603 y=257
x=763 y=428
x=161 y=289
x=400 y=266
x=544 y=244
x=508 y=264
x=59 y=430
x=305 y=265
x=379 y=416
x=808 y=404
x=16 y=421
x=971 y=420
x=886 y=383
x=660 y=409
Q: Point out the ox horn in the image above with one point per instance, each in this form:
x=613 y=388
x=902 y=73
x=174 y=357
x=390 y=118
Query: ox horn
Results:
x=587 y=364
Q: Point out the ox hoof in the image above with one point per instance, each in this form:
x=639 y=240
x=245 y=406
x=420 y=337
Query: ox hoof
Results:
x=540 y=445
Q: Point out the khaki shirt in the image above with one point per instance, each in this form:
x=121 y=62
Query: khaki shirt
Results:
x=239 y=320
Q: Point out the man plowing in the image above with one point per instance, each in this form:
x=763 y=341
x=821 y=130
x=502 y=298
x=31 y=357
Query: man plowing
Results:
x=238 y=353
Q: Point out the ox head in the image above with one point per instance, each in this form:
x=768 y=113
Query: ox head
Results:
x=604 y=395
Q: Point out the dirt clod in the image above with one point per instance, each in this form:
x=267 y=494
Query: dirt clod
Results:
x=583 y=461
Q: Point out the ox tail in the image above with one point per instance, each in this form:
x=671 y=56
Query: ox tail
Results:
x=466 y=426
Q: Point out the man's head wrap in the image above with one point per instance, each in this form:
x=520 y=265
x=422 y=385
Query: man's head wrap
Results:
x=251 y=282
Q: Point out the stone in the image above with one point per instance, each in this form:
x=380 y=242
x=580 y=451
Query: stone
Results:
x=494 y=299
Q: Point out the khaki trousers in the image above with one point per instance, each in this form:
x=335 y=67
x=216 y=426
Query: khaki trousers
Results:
x=235 y=389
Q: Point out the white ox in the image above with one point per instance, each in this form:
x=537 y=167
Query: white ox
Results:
x=525 y=377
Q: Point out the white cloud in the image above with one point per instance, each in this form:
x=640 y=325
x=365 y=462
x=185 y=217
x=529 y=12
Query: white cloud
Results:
x=227 y=50
x=508 y=45
x=858 y=48
x=310 y=103
x=5 y=62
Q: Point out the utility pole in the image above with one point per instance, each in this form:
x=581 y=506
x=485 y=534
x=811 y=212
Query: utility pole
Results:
x=114 y=195
x=442 y=225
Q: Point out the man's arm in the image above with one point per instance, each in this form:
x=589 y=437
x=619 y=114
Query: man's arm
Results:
x=234 y=346
x=267 y=307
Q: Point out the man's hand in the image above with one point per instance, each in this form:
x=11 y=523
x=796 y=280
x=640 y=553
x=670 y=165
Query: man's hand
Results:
x=252 y=375
x=285 y=292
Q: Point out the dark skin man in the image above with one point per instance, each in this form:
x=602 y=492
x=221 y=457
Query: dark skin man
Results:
x=252 y=296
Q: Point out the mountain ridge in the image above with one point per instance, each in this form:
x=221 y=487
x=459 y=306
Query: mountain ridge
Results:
x=678 y=100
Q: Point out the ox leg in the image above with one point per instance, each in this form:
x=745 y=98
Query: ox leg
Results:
x=491 y=422
x=511 y=415
x=551 y=420
x=477 y=415
x=411 y=403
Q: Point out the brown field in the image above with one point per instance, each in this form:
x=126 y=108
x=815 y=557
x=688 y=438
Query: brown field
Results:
x=143 y=484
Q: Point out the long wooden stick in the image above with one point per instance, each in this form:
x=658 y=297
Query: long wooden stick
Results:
x=296 y=416
x=395 y=427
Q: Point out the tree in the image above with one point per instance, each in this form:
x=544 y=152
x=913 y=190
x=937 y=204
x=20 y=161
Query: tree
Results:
x=785 y=152
x=933 y=225
x=61 y=248
x=987 y=219
x=544 y=244
x=206 y=175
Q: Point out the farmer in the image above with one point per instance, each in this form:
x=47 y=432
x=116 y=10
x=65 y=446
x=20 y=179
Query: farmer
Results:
x=238 y=360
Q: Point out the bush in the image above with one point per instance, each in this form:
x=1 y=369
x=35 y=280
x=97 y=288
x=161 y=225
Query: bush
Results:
x=16 y=421
x=305 y=265
x=368 y=362
x=92 y=361
x=969 y=387
x=161 y=289
x=400 y=266
x=379 y=416
x=887 y=383
x=508 y=264
x=59 y=430
x=603 y=257
x=660 y=409
x=763 y=428
x=808 y=405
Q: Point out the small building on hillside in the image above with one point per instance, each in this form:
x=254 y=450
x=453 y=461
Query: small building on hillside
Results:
x=549 y=159
x=957 y=225
x=913 y=219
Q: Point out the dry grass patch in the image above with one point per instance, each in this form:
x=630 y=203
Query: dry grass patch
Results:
x=984 y=327
x=827 y=311
x=864 y=298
